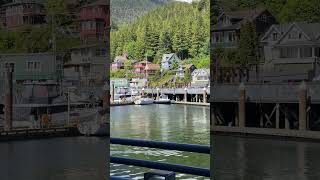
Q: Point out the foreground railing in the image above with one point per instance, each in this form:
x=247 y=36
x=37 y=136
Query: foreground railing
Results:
x=160 y=165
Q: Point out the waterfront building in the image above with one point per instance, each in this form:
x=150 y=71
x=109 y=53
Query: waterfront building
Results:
x=94 y=18
x=169 y=59
x=87 y=66
x=226 y=32
x=182 y=69
x=33 y=66
x=200 y=78
x=119 y=82
x=22 y=13
x=138 y=83
x=292 y=50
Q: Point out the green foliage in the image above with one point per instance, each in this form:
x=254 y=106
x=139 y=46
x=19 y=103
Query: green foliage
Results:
x=248 y=46
x=200 y=62
x=300 y=10
x=172 y=28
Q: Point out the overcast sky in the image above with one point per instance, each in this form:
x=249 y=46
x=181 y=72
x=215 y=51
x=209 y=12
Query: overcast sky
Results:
x=185 y=0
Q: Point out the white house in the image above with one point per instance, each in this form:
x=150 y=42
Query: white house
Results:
x=200 y=78
x=168 y=59
x=292 y=50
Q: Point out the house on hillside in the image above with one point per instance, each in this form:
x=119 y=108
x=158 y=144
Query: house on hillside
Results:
x=292 y=51
x=139 y=67
x=94 y=18
x=226 y=32
x=151 y=69
x=168 y=59
x=200 y=78
x=33 y=66
x=119 y=62
x=22 y=13
x=87 y=66
x=182 y=69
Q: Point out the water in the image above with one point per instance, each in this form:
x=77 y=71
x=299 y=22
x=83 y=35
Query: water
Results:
x=265 y=159
x=79 y=158
x=172 y=123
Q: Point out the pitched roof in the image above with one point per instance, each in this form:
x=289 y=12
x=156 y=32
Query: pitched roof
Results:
x=99 y=3
x=198 y=71
x=152 y=67
x=310 y=29
x=167 y=57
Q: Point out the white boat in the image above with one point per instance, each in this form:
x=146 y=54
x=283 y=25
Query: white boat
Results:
x=163 y=99
x=143 y=100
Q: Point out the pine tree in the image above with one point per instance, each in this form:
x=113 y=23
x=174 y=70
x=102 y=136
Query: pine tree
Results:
x=248 y=45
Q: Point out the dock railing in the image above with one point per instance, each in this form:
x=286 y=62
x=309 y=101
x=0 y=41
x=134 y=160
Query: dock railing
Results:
x=203 y=149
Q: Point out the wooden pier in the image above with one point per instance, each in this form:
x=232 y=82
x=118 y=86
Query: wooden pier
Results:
x=282 y=109
x=23 y=134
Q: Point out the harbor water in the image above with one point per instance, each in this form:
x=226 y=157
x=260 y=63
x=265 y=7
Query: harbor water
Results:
x=171 y=123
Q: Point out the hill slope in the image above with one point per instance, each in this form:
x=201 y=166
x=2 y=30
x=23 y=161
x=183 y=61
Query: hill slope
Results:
x=123 y=11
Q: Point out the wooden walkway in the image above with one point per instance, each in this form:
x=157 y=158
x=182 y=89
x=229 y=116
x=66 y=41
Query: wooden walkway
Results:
x=22 y=134
x=267 y=132
x=192 y=103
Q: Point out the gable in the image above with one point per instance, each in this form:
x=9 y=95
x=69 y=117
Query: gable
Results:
x=269 y=35
x=293 y=34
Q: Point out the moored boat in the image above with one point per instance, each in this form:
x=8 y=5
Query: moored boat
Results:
x=163 y=99
x=139 y=100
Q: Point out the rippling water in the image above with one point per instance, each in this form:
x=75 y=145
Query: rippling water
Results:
x=172 y=123
x=76 y=158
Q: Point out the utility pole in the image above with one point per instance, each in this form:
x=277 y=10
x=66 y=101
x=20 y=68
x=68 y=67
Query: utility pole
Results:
x=8 y=98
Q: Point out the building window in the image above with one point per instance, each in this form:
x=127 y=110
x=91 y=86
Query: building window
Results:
x=274 y=36
x=306 y=52
x=101 y=52
x=33 y=66
x=289 y=52
x=232 y=36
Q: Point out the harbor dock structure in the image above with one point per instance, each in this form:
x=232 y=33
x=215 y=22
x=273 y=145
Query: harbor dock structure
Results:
x=187 y=95
x=274 y=109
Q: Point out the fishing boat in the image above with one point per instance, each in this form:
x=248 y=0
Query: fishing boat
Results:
x=41 y=105
x=143 y=100
x=163 y=99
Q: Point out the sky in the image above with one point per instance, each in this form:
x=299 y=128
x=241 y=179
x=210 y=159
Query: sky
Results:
x=189 y=1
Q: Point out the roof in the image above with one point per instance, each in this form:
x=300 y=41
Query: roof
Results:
x=89 y=46
x=198 y=71
x=168 y=57
x=240 y=16
x=18 y=2
x=98 y=3
x=310 y=29
x=187 y=66
x=120 y=59
x=152 y=67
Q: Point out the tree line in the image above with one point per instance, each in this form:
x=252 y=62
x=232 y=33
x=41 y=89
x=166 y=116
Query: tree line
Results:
x=179 y=28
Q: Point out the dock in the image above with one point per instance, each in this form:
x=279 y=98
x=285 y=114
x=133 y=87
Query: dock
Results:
x=23 y=134
x=282 y=110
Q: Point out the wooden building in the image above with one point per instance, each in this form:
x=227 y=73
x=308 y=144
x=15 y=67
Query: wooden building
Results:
x=95 y=21
x=22 y=13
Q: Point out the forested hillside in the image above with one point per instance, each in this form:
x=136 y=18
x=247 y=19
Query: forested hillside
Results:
x=123 y=11
x=284 y=10
x=174 y=28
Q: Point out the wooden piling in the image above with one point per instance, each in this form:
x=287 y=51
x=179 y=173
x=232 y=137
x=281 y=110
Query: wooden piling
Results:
x=158 y=96
x=204 y=95
x=277 y=115
x=8 y=99
x=112 y=94
x=242 y=105
x=185 y=95
x=303 y=106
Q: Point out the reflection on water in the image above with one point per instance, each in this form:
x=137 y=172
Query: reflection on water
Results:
x=265 y=159
x=79 y=158
x=172 y=123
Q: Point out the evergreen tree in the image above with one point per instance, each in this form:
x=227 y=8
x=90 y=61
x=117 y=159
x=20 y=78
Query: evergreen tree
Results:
x=248 y=45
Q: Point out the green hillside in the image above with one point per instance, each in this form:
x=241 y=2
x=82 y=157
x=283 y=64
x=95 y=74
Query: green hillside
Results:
x=180 y=28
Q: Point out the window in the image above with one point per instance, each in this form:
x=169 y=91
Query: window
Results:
x=289 y=52
x=306 y=52
x=274 y=36
x=101 y=52
x=33 y=66
x=232 y=36
x=300 y=35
